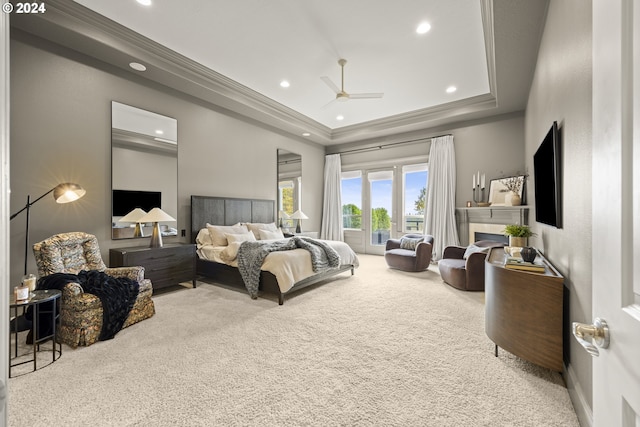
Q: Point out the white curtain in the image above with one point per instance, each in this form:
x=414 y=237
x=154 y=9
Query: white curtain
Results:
x=439 y=215
x=332 y=206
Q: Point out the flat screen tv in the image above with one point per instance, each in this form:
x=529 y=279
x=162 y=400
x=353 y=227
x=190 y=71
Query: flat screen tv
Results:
x=124 y=201
x=547 y=174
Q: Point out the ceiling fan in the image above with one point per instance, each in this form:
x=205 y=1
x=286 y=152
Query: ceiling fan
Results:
x=343 y=96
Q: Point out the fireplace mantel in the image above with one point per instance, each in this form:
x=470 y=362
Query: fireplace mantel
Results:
x=496 y=215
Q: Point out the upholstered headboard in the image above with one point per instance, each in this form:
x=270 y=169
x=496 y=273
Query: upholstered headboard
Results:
x=228 y=211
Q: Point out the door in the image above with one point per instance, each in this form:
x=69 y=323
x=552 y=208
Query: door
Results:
x=379 y=207
x=616 y=209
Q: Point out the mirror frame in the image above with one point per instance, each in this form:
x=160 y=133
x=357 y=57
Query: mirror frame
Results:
x=144 y=151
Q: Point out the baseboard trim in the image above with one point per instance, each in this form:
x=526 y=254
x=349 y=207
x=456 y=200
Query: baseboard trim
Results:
x=583 y=411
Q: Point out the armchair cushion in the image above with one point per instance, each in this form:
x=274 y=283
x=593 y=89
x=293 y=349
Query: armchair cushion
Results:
x=472 y=249
x=410 y=242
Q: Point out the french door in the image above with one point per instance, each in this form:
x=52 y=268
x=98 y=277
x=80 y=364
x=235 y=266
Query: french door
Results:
x=378 y=212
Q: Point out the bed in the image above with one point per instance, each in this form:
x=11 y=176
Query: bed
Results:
x=226 y=211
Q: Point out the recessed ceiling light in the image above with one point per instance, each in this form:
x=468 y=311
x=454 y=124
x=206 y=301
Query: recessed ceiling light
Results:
x=284 y=83
x=159 y=132
x=340 y=117
x=144 y=2
x=423 y=28
x=137 y=66
x=451 y=89
x=306 y=134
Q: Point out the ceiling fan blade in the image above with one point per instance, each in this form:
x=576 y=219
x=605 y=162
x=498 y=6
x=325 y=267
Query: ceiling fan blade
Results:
x=365 y=95
x=329 y=83
x=329 y=104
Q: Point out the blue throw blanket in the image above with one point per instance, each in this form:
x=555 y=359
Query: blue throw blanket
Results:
x=252 y=254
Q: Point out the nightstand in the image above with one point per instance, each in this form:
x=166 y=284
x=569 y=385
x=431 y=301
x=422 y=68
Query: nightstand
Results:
x=169 y=265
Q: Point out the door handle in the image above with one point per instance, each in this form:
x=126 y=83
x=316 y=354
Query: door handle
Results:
x=587 y=335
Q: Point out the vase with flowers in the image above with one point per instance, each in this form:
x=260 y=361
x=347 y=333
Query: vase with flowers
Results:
x=514 y=187
x=518 y=234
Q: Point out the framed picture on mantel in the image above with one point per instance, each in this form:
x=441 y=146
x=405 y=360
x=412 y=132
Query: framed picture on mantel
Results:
x=501 y=188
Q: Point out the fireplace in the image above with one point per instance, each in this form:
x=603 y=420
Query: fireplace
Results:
x=488 y=223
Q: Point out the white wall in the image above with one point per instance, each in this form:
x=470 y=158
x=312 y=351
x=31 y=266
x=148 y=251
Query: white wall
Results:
x=561 y=91
x=61 y=131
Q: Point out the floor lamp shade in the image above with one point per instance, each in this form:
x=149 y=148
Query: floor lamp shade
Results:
x=62 y=193
x=68 y=192
x=156 y=215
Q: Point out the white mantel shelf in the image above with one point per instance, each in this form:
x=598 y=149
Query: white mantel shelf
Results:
x=501 y=215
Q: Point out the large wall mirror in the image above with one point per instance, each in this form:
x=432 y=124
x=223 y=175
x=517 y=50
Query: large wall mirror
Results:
x=289 y=186
x=144 y=170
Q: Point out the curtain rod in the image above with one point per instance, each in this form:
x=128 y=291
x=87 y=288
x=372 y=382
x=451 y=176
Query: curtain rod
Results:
x=390 y=144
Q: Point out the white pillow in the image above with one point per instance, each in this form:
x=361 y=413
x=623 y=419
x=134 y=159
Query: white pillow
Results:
x=239 y=238
x=203 y=238
x=271 y=235
x=217 y=233
x=257 y=226
x=471 y=249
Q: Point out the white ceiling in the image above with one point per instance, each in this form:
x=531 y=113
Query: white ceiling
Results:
x=233 y=55
x=259 y=43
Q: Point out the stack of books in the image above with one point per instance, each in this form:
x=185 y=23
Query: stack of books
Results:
x=519 y=264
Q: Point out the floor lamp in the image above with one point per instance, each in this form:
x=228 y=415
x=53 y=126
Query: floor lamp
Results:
x=62 y=193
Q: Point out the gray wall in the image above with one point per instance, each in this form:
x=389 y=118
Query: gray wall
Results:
x=561 y=91
x=493 y=146
x=61 y=130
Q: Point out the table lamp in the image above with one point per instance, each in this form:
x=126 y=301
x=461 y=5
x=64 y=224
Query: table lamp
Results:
x=134 y=216
x=299 y=215
x=156 y=215
x=282 y=215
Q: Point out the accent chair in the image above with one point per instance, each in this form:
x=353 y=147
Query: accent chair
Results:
x=463 y=267
x=81 y=313
x=412 y=252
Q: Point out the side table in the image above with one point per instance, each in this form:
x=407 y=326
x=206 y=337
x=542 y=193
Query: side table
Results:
x=42 y=312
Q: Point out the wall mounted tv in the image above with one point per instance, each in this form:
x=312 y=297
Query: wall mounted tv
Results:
x=124 y=201
x=547 y=174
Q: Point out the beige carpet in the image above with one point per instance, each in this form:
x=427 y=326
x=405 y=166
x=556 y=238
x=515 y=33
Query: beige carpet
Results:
x=381 y=348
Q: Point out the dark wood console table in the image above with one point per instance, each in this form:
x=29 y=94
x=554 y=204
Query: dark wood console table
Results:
x=165 y=266
x=523 y=311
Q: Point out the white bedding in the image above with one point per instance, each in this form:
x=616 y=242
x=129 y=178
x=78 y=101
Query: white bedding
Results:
x=289 y=267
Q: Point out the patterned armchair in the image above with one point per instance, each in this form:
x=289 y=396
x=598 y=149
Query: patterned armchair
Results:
x=81 y=313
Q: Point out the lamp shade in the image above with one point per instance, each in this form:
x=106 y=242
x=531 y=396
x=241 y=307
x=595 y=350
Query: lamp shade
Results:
x=133 y=216
x=283 y=215
x=299 y=215
x=68 y=192
x=156 y=215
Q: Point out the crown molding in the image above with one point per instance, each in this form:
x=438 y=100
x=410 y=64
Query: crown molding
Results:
x=76 y=27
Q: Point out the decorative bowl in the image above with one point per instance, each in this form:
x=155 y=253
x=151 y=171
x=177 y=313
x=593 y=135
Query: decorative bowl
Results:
x=484 y=204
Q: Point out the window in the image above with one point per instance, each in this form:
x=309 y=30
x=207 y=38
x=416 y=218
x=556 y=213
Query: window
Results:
x=287 y=202
x=414 y=186
x=352 y=200
x=381 y=196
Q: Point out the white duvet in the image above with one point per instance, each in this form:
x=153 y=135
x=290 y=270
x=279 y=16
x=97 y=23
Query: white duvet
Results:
x=289 y=267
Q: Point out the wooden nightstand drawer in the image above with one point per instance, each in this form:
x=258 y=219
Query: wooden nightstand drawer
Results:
x=165 y=266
